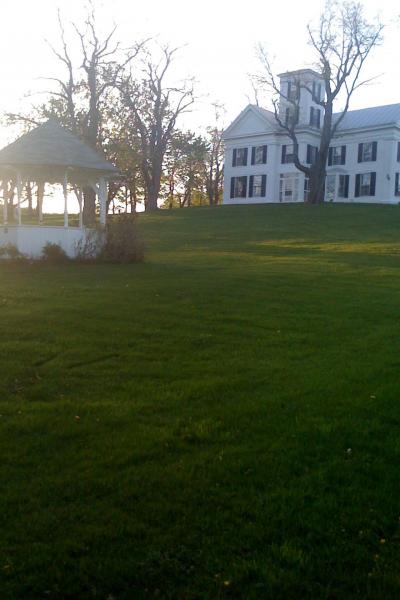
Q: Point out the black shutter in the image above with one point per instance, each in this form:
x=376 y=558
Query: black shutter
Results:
x=265 y=154
x=251 y=185
x=308 y=154
x=253 y=155
x=360 y=151
x=374 y=149
x=245 y=156
x=373 y=184
x=346 y=184
x=330 y=157
x=311 y=116
x=295 y=151
x=343 y=157
x=357 y=191
x=283 y=160
x=234 y=157
x=232 y=187
x=398 y=151
x=263 y=185
x=318 y=118
x=396 y=185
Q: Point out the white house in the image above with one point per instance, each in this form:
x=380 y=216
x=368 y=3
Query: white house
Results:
x=364 y=157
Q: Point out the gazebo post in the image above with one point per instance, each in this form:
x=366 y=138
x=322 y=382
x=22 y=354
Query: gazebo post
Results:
x=40 y=194
x=103 y=200
x=19 y=196
x=80 y=198
x=5 y=202
x=65 y=183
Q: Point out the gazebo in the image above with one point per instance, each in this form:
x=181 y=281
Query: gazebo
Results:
x=51 y=154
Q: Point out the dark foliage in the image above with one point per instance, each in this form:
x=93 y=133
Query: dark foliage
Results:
x=123 y=244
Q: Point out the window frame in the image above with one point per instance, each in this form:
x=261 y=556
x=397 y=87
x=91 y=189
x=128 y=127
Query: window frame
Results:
x=236 y=151
x=285 y=154
x=262 y=186
x=264 y=154
x=234 y=181
x=361 y=188
x=371 y=157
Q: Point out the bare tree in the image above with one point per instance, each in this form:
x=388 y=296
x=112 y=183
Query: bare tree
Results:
x=155 y=106
x=342 y=42
x=81 y=97
x=215 y=159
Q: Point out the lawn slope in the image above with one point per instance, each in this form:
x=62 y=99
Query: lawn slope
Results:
x=221 y=421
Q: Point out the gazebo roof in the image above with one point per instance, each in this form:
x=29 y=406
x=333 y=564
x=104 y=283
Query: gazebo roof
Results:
x=51 y=146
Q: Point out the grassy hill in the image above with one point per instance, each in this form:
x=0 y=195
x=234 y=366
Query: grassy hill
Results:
x=221 y=421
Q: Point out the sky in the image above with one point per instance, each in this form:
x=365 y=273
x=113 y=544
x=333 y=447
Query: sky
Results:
x=217 y=40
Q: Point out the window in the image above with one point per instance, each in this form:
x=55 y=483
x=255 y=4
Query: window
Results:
x=293 y=91
x=288 y=152
x=259 y=155
x=288 y=188
x=397 y=185
x=312 y=152
x=365 y=184
x=367 y=152
x=330 y=188
x=316 y=91
x=343 y=190
x=291 y=116
x=238 y=187
x=337 y=155
x=257 y=186
x=315 y=117
x=239 y=157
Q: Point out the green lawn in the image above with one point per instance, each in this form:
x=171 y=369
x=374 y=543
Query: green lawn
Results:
x=221 y=421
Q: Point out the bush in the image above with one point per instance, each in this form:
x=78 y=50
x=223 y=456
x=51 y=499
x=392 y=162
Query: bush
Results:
x=123 y=243
x=10 y=252
x=88 y=249
x=54 y=253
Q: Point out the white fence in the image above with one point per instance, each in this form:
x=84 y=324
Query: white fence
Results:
x=30 y=239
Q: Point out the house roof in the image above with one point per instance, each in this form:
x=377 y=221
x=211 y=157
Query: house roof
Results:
x=370 y=117
x=300 y=72
x=50 y=145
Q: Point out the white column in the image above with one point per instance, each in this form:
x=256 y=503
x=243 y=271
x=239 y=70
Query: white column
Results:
x=103 y=200
x=5 y=200
x=65 y=183
x=80 y=200
x=19 y=196
x=40 y=194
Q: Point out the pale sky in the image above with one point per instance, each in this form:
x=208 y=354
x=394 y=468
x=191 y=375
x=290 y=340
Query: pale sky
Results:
x=219 y=38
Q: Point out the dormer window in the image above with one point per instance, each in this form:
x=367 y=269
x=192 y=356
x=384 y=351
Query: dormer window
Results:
x=293 y=91
x=316 y=91
x=291 y=117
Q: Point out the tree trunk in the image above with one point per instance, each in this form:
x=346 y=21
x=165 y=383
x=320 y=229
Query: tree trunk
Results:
x=89 y=207
x=317 y=185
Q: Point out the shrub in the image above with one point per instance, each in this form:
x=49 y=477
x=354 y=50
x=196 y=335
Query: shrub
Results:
x=123 y=243
x=89 y=247
x=54 y=253
x=10 y=252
